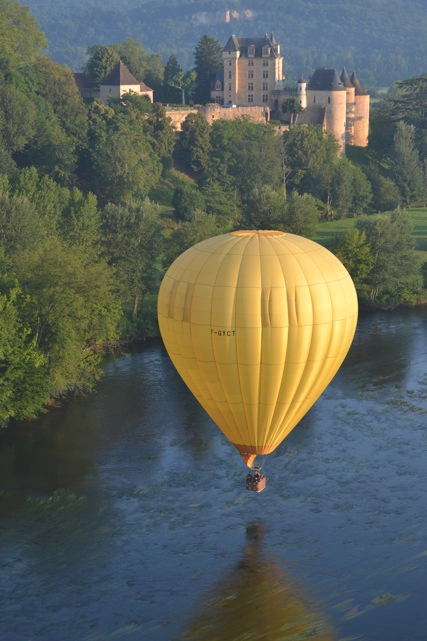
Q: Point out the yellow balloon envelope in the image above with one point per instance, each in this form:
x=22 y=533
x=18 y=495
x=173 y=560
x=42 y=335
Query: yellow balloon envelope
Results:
x=257 y=324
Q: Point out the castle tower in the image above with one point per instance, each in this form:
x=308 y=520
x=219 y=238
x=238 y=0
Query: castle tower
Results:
x=326 y=90
x=361 y=113
x=302 y=92
x=230 y=56
x=350 y=106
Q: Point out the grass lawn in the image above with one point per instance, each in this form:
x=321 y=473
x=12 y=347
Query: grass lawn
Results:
x=326 y=232
x=163 y=194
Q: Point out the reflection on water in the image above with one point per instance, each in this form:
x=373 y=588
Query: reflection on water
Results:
x=124 y=515
x=256 y=601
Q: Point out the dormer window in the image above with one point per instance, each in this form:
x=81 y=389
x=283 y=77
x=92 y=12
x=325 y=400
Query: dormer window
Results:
x=251 y=51
x=266 y=51
x=218 y=85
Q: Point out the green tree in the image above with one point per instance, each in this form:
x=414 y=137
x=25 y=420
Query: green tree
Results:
x=20 y=36
x=310 y=158
x=101 y=60
x=136 y=59
x=189 y=233
x=407 y=171
x=354 y=252
x=385 y=193
x=124 y=165
x=24 y=379
x=350 y=189
x=394 y=262
x=73 y=309
x=207 y=61
x=57 y=86
x=301 y=215
x=195 y=142
x=263 y=209
x=185 y=201
x=133 y=240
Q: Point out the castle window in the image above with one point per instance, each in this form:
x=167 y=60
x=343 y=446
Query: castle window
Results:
x=265 y=63
x=264 y=97
x=250 y=97
x=250 y=86
x=250 y=73
x=314 y=98
x=229 y=63
x=229 y=74
x=218 y=85
x=265 y=73
x=329 y=99
x=266 y=51
x=229 y=86
x=251 y=51
x=265 y=86
x=250 y=63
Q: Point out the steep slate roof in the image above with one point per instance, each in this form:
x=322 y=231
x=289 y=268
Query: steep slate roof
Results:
x=82 y=81
x=312 y=115
x=241 y=44
x=120 y=75
x=218 y=76
x=345 y=78
x=325 y=80
x=358 y=87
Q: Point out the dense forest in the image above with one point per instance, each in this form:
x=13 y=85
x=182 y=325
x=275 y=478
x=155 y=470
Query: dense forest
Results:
x=97 y=200
x=383 y=40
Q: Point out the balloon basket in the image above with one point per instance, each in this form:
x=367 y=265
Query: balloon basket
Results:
x=255 y=480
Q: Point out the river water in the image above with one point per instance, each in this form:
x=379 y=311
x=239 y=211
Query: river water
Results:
x=124 y=515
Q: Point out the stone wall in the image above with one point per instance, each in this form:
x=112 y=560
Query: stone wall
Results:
x=215 y=112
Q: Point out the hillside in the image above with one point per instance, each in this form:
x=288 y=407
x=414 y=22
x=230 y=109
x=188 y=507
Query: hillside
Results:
x=384 y=40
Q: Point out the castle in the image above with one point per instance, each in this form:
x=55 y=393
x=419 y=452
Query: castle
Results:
x=252 y=76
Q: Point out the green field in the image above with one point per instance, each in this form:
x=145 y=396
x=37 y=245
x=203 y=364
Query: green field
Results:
x=327 y=231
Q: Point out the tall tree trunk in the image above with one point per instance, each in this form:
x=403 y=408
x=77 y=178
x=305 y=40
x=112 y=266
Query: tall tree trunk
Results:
x=135 y=307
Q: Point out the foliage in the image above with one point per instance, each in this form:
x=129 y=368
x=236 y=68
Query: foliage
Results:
x=207 y=61
x=186 y=201
x=188 y=233
x=101 y=60
x=132 y=242
x=195 y=145
x=406 y=169
x=392 y=249
x=24 y=379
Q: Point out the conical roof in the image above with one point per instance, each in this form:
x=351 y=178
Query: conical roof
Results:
x=356 y=84
x=345 y=79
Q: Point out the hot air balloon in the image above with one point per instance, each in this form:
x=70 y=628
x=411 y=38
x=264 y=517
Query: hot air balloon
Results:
x=257 y=323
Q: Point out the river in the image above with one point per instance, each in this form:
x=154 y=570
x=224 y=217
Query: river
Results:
x=124 y=515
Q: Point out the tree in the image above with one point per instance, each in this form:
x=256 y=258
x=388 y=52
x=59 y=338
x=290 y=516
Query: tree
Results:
x=20 y=37
x=101 y=60
x=263 y=209
x=385 y=193
x=195 y=142
x=174 y=77
x=188 y=233
x=57 y=86
x=71 y=309
x=208 y=60
x=354 y=252
x=124 y=165
x=136 y=59
x=407 y=169
x=394 y=262
x=350 y=189
x=301 y=215
x=132 y=241
x=24 y=378
x=185 y=201
x=310 y=158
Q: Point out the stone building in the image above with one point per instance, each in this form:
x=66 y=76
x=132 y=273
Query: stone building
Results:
x=252 y=70
x=118 y=82
x=252 y=76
